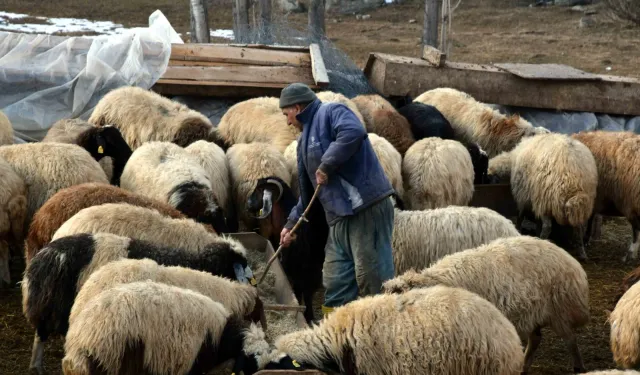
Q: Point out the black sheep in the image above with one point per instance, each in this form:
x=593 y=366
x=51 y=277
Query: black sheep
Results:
x=106 y=141
x=426 y=121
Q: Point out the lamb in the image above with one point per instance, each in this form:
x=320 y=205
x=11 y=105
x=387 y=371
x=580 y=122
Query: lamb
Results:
x=257 y=120
x=334 y=97
x=291 y=157
x=142 y=116
x=617 y=162
x=13 y=209
x=390 y=160
x=114 y=337
x=425 y=331
x=252 y=167
x=6 y=130
x=533 y=282
x=167 y=172
x=47 y=297
x=144 y=224
x=555 y=177
x=382 y=119
x=47 y=168
x=105 y=144
x=473 y=121
x=625 y=328
x=437 y=173
x=421 y=238
x=214 y=161
x=68 y=202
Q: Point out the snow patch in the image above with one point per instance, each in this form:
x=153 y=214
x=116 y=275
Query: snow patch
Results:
x=57 y=25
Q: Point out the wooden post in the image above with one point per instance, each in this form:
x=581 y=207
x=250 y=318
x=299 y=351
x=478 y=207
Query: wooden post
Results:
x=199 y=22
x=241 y=21
x=265 y=22
x=431 y=20
x=316 y=19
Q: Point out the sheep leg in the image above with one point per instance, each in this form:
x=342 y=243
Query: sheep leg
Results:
x=37 y=353
x=582 y=254
x=547 y=224
x=534 y=341
x=520 y=220
x=308 y=303
x=632 y=253
x=578 y=364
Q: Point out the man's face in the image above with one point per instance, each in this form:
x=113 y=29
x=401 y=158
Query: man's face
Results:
x=291 y=113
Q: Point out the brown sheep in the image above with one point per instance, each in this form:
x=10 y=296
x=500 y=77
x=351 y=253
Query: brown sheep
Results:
x=67 y=202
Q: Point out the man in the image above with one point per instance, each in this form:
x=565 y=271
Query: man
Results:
x=334 y=151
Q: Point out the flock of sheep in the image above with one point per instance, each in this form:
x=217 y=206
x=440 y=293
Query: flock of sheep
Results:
x=124 y=221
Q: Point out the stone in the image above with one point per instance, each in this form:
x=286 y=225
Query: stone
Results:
x=578 y=8
x=586 y=22
x=412 y=21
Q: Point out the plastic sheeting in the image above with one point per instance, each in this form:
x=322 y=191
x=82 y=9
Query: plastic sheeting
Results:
x=46 y=78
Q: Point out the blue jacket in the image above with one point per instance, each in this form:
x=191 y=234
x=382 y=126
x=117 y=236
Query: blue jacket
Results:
x=334 y=140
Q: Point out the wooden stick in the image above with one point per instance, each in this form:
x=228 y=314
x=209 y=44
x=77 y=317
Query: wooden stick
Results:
x=280 y=307
x=293 y=230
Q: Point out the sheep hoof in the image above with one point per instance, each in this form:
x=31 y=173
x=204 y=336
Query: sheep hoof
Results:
x=36 y=371
x=579 y=370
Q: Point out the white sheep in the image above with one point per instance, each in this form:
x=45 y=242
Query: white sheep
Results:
x=555 y=177
x=167 y=172
x=13 y=210
x=390 y=160
x=6 y=130
x=533 y=282
x=291 y=157
x=257 y=120
x=154 y=328
x=48 y=167
x=142 y=116
x=437 y=173
x=427 y=331
x=334 y=97
x=473 y=121
x=625 y=329
x=421 y=238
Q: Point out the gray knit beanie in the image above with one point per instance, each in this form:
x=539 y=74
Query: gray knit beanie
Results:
x=296 y=93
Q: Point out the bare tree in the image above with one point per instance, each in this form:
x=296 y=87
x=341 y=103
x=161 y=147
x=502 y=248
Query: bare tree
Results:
x=199 y=22
x=628 y=10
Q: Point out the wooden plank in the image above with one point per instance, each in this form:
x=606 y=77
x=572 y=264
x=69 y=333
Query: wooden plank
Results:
x=272 y=47
x=240 y=73
x=497 y=197
x=278 y=307
x=316 y=20
x=200 y=63
x=431 y=21
x=319 y=72
x=405 y=75
x=547 y=71
x=433 y=56
x=240 y=55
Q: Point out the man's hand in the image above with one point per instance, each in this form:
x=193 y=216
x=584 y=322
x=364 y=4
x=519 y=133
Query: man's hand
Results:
x=321 y=177
x=285 y=237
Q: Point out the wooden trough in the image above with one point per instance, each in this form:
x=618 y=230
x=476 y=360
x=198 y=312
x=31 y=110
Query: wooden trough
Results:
x=284 y=292
x=240 y=70
x=497 y=197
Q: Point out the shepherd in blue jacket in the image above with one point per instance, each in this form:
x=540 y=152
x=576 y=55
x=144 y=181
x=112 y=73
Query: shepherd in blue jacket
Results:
x=334 y=151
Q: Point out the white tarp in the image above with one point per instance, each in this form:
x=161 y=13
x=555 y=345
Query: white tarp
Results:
x=45 y=78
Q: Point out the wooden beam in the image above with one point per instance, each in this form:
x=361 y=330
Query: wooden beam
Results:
x=239 y=55
x=219 y=89
x=318 y=69
x=241 y=20
x=398 y=76
x=280 y=307
x=316 y=19
x=200 y=63
x=272 y=47
x=431 y=21
x=265 y=22
x=240 y=73
x=199 y=22
x=433 y=56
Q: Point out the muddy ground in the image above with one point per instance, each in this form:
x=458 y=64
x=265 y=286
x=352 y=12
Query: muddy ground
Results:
x=604 y=270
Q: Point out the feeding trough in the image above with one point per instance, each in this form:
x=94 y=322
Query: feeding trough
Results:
x=497 y=197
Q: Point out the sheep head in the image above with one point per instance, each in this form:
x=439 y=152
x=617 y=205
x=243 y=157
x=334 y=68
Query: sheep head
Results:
x=260 y=202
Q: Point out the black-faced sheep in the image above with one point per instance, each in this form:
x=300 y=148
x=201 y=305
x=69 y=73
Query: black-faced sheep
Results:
x=153 y=328
x=382 y=119
x=6 y=130
x=437 y=173
x=13 y=209
x=618 y=162
x=625 y=329
x=533 y=282
x=47 y=168
x=421 y=238
x=68 y=202
x=250 y=164
x=167 y=172
x=214 y=161
x=426 y=331
x=555 y=178
x=105 y=144
x=257 y=120
x=390 y=160
x=47 y=297
x=473 y=121
x=142 y=116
